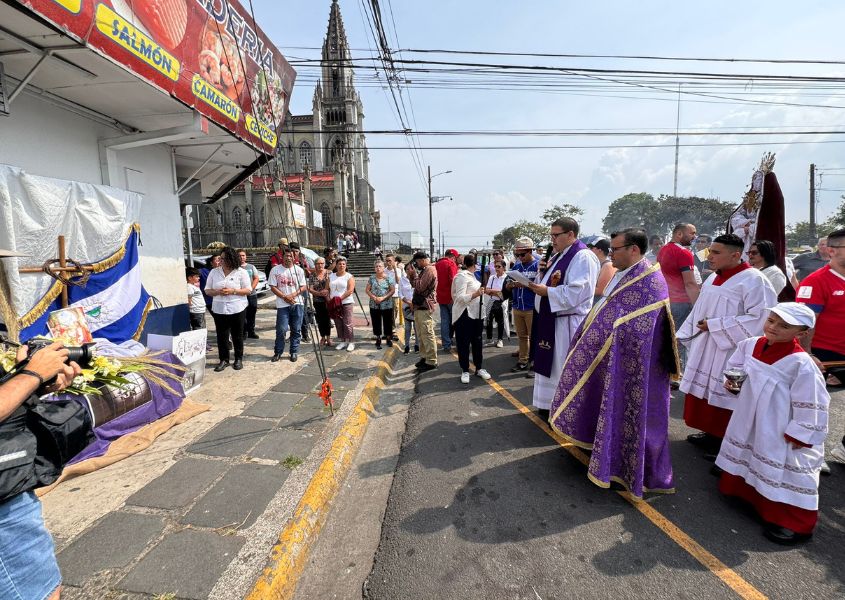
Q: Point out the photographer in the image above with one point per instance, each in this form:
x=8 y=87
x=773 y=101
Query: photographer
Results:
x=28 y=567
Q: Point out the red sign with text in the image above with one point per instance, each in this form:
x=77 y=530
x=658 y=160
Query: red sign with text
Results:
x=209 y=54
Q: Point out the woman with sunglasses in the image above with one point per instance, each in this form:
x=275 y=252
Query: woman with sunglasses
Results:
x=762 y=256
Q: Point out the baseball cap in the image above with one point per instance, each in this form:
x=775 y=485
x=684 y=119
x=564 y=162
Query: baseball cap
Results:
x=283 y=241
x=451 y=252
x=795 y=313
x=602 y=244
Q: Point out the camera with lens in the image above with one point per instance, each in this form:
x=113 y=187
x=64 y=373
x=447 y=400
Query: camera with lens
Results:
x=81 y=355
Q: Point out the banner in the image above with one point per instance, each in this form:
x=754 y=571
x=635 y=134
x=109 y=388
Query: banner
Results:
x=317 y=216
x=209 y=54
x=298 y=214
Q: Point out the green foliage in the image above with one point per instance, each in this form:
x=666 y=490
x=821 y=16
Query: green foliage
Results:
x=508 y=236
x=633 y=210
x=558 y=211
x=291 y=462
x=658 y=217
x=798 y=234
x=838 y=218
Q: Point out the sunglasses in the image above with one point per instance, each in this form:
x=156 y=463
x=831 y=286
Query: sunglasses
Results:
x=520 y=254
x=753 y=253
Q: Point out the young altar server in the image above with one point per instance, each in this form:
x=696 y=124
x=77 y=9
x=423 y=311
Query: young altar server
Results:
x=774 y=444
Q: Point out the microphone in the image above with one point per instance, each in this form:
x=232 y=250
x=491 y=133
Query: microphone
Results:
x=546 y=258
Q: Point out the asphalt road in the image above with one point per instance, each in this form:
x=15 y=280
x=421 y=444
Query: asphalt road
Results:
x=485 y=504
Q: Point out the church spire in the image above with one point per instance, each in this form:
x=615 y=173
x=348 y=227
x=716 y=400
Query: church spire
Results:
x=335 y=46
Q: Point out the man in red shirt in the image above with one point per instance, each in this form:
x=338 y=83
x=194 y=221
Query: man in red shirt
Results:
x=447 y=268
x=678 y=267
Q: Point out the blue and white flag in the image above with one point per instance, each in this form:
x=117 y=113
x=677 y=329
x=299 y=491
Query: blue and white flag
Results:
x=113 y=300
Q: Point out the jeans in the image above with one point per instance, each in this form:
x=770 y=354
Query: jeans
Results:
x=446 y=327
x=468 y=335
x=249 y=317
x=288 y=318
x=225 y=325
x=680 y=311
x=424 y=322
x=28 y=567
x=498 y=314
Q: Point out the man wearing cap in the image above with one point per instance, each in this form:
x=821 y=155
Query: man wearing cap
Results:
x=423 y=279
x=522 y=298
x=447 y=268
x=277 y=258
x=774 y=444
x=732 y=307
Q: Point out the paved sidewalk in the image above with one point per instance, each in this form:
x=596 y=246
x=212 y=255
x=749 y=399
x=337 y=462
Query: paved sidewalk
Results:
x=173 y=518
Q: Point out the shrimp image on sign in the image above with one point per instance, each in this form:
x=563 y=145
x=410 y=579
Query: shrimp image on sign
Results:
x=220 y=61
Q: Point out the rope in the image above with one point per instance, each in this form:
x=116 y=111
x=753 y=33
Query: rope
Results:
x=67 y=278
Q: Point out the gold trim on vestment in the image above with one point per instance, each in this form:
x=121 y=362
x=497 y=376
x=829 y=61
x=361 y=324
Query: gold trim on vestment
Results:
x=570 y=439
x=35 y=313
x=614 y=478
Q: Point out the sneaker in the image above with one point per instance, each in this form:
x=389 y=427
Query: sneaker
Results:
x=483 y=374
x=499 y=344
x=426 y=367
x=293 y=357
x=416 y=348
x=838 y=452
x=341 y=346
x=350 y=347
x=276 y=357
x=519 y=367
x=464 y=377
x=252 y=335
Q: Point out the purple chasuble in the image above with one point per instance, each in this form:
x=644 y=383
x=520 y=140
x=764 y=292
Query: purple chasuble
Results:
x=544 y=347
x=613 y=396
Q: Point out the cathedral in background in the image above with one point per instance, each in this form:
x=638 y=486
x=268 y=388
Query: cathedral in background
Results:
x=324 y=166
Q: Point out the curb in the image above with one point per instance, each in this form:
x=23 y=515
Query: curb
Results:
x=290 y=553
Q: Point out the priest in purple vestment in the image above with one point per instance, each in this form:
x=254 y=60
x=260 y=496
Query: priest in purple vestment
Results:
x=613 y=395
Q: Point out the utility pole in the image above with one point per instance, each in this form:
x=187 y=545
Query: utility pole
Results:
x=430 y=219
x=813 y=202
x=677 y=142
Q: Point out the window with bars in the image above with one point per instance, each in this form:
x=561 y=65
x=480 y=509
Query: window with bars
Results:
x=237 y=218
x=304 y=154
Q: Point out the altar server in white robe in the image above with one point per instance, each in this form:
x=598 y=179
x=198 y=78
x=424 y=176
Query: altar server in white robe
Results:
x=774 y=445
x=564 y=295
x=732 y=307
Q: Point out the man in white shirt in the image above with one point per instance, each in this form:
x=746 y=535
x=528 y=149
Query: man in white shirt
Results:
x=288 y=283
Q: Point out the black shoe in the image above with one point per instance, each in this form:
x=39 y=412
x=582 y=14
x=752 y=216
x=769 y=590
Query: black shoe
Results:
x=416 y=348
x=378 y=345
x=389 y=342
x=407 y=349
x=252 y=335
x=293 y=357
x=674 y=385
x=519 y=367
x=784 y=536
x=223 y=364
x=716 y=471
x=276 y=358
x=238 y=364
x=306 y=339
x=700 y=439
x=425 y=367
x=420 y=362
x=394 y=338
x=710 y=456
x=543 y=413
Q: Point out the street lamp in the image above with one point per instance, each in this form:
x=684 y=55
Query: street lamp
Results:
x=430 y=219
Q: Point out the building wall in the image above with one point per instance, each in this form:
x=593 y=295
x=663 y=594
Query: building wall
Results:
x=50 y=141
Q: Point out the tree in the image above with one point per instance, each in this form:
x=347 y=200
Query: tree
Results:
x=709 y=215
x=507 y=237
x=838 y=217
x=633 y=210
x=798 y=234
x=558 y=211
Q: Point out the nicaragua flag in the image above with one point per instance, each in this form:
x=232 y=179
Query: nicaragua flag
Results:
x=113 y=300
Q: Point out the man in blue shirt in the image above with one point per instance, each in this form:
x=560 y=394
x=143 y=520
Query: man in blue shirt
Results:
x=523 y=298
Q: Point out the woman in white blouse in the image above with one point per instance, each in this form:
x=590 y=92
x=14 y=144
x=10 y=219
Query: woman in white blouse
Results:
x=229 y=285
x=466 y=317
x=762 y=256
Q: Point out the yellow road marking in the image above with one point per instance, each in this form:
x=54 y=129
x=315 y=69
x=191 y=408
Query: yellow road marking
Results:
x=289 y=555
x=730 y=577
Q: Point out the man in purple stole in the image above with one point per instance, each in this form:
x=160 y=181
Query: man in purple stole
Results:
x=613 y=394
x=564 y=292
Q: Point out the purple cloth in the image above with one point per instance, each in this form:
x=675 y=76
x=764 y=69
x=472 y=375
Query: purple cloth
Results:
x=544 y=349
x=162 y=402
x=613 y=395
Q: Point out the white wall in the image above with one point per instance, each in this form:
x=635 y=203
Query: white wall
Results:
x=47 y=140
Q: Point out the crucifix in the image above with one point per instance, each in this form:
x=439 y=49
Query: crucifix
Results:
x=63 y=273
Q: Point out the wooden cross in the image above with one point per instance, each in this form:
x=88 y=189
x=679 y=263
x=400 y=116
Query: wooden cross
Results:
x=63 y=272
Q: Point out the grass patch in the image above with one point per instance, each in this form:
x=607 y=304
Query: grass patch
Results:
x=167 y=596
x=291 y=462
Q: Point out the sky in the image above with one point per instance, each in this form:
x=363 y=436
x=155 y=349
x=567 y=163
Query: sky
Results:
x=491 y=189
